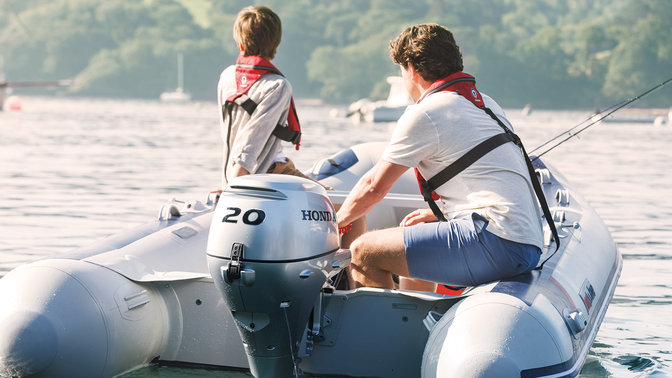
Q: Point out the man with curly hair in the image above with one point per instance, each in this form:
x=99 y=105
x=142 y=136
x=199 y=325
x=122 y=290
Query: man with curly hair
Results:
x=485 y=224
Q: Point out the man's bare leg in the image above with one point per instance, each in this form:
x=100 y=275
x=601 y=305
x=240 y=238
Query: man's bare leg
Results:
x=406 y=283
x=358 y=228
x=375 y=256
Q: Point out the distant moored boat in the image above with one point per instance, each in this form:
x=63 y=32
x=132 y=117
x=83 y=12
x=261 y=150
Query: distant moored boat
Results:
x=179 y=95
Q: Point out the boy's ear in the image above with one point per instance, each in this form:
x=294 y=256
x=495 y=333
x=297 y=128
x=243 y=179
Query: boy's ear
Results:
x=240 y=47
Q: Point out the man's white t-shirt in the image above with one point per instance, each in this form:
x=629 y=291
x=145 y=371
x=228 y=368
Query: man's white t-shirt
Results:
x=440 y=129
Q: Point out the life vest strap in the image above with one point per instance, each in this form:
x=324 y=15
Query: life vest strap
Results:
x=284 y=133
x=471 y=157
x=227 y=109
x=466 y=160
x=463 y=84
x=245 y=102
x=248 y=70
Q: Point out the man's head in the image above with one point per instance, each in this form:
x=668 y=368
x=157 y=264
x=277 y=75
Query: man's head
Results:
x=257 y=31
x=430 y=49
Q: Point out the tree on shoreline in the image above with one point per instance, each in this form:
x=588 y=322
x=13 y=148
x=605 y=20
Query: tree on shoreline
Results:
x=553 y=54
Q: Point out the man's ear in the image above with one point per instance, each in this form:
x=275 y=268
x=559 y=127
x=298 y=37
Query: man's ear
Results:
x=411 y=71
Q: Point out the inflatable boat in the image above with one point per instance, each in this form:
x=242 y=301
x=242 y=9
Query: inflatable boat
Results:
x=251 y=283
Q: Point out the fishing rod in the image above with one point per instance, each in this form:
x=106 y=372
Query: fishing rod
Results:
x=593 y=119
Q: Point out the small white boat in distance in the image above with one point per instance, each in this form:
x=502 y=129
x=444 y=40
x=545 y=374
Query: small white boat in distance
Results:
x=382 y=111
x=179 y=95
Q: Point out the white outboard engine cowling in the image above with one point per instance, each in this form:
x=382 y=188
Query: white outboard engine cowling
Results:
x=270 y=251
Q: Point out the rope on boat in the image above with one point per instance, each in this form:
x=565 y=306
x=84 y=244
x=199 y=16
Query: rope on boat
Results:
x=284 y=306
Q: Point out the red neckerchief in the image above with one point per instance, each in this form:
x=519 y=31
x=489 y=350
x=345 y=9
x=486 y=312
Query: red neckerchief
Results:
x=465 y=85
x=248 y=70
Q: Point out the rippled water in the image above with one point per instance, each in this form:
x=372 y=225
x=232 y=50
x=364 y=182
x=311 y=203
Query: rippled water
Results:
x=73 y=171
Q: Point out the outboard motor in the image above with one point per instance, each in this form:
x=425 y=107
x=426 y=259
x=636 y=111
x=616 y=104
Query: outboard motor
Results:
x=271 y=248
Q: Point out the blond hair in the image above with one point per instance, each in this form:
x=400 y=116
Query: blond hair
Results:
x=258 y=30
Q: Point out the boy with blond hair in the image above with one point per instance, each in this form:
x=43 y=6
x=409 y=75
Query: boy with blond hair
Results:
x=257 y=108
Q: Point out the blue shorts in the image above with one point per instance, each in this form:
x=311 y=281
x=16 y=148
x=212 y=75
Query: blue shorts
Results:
x=462 y=252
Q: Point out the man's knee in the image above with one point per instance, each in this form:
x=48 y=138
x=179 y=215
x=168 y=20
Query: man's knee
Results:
x=357 y=247
x=363 y=253
x=375 y=245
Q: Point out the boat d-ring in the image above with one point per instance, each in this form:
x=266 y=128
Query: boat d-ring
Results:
x=169 y=210
x=431 y=319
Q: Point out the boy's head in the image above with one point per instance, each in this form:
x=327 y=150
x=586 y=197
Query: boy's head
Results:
x=430 y=48
x=257 y=31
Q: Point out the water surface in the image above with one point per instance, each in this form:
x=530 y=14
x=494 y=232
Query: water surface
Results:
x=74 y=171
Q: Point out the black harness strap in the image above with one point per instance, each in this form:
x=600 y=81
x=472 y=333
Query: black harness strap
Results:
x=460 y=165
x=535 y=182
x=476 y=153
x=244 y=101
x=284 y=133
x=227 y=108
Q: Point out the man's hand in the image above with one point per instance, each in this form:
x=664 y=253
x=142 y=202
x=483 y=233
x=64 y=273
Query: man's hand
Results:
x=417 y=217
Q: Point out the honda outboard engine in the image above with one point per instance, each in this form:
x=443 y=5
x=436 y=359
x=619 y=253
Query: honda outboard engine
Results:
x=270 y=250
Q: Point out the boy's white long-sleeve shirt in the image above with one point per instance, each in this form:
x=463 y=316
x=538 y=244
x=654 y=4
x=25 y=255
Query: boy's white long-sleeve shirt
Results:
x=249 y=142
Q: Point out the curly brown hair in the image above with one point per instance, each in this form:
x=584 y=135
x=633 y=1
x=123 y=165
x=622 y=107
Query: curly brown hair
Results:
x=430 y=48
x=259 y=30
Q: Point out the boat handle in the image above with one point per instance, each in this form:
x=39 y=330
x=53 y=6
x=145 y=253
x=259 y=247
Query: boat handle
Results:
x=431 y=319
